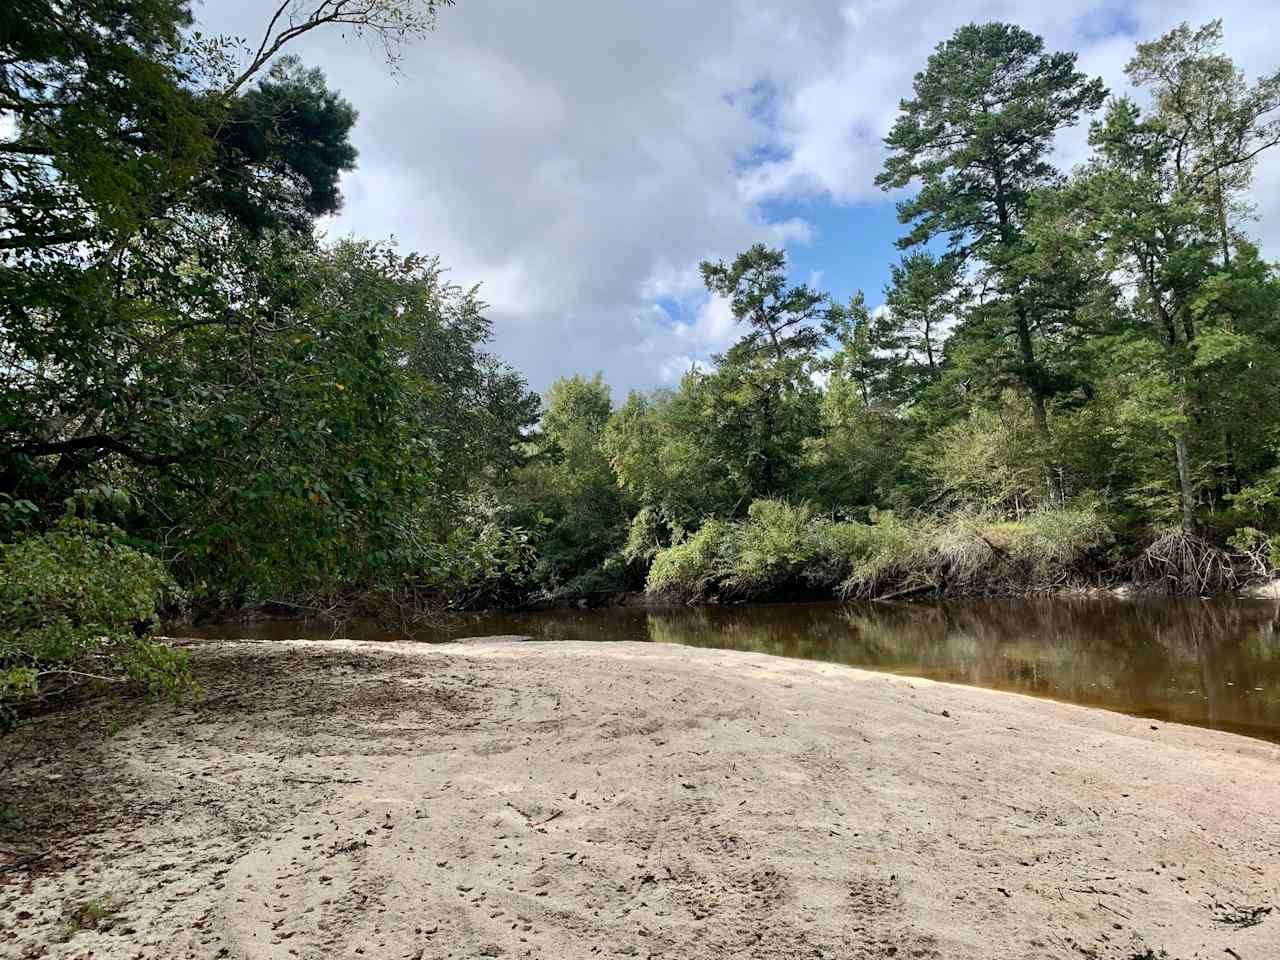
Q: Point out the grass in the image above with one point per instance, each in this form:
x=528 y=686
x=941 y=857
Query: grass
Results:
x=99 y=913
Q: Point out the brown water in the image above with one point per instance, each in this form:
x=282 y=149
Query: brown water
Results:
x=1212 y=663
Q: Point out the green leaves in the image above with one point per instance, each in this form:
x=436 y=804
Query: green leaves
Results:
x=783 y=319
x=975 y=137
x=567 y=493
x=75 y=607
x=294 y=126
x=976 y=133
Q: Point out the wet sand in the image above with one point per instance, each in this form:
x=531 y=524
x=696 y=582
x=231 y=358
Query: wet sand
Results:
x=505 y=799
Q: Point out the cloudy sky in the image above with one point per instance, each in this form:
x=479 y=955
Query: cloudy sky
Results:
x=579 y=157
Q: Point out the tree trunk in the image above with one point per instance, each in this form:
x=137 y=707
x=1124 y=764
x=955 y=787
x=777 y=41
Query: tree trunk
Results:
x=1233 y=475
x=1184 y=484
x=1041 y=415
x=1224 y=231
x=1031 y=376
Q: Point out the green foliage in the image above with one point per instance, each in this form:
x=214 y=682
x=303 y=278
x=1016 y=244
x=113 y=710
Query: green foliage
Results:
x=978 y=130
x=760 y=401
x=292 y=123
x=173 y=326
x=1093 y=359
x=691 y=569
x=976 y=135
x=76 y=605
x=1260 y=550
x=1123 y=303
x=782 y=548
x=773 y=547
x=925 y=296
x=1066 y=535
x=1260 y=500
x=481 y=557
x=646 y=535
x=366 y=402
x=877 y=553
x=779 y=548
x=568 y=488
x=995 y=460
x=663 y=455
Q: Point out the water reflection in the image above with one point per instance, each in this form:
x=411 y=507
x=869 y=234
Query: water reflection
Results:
x=1214 y=663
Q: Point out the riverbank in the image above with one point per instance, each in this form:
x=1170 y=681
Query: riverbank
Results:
x=579 y=800
x=277 y=612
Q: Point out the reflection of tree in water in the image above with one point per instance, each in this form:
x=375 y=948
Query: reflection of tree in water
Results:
x=1199 y=661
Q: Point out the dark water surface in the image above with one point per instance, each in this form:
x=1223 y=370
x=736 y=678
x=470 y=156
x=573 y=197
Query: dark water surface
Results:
x=1214 y=663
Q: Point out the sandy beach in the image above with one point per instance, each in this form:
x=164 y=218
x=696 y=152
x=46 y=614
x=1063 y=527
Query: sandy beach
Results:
x=534 y=800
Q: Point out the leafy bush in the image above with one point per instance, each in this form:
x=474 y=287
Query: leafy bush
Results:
x=1260 y=551
x=773 y=547
x=1066 y=535
x=76 y=607
x=993 y=460
x=480 y=558
x=782 y=546
x=885 y=549
x=645 y=537
x=16 y=516
x=978 y=554
x=688 y=570
x=609 y=577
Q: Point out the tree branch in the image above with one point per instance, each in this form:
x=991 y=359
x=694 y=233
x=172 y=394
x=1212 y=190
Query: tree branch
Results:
x=99 y=443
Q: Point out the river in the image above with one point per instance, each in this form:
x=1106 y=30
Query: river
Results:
x=1214 y=663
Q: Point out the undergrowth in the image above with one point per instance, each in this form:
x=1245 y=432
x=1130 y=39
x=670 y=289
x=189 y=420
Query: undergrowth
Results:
x=77 y=606
x=782 y=548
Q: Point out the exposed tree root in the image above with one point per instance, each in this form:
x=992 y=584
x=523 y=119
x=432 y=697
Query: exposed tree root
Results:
x=1178 y=562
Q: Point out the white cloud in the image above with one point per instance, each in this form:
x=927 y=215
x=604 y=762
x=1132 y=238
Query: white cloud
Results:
x=580 y=159
x=713 y=328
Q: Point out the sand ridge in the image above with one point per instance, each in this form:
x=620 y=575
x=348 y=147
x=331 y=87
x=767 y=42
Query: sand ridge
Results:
x=535 y=800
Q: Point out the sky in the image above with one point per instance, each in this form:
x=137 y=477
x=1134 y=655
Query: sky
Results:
x=579 y=158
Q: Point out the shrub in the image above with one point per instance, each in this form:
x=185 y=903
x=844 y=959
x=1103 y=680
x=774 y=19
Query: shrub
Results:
x=1259 y=551
x=994 y=459
x=690 y=569
x=780 y=546
x=1067 y=535
x=967 y=548
x=777 y=546
x=481 y=558
x=608 y=577
x=887 y=548
x=645 y=537
x=773 y=547
x=77 y=605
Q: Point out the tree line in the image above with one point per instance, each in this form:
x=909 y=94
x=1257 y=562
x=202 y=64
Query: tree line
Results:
x=1073 y=375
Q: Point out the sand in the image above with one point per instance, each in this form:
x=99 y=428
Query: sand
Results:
x=505 y=799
